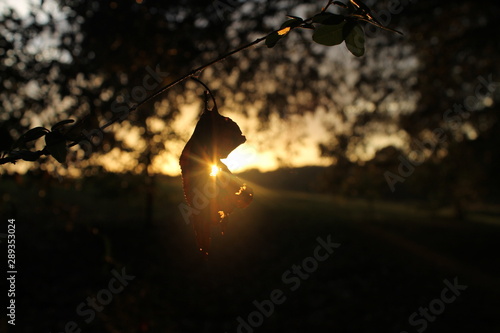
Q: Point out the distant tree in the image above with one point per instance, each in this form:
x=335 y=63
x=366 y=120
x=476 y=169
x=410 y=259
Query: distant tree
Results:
x=448 y=53
x=457 y=51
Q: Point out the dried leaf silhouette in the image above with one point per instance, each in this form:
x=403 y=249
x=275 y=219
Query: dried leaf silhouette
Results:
x=209 y=187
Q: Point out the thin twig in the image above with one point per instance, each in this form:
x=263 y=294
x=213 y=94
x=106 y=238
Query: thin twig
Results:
x=192 y=73
x=179 y=80
x=13 y=159
x=188 y=75
x=208 y=91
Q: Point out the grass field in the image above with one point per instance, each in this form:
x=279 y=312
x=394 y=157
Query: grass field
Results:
x=391 y=264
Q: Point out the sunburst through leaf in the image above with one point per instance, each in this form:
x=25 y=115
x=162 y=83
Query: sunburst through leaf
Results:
x=214 y=170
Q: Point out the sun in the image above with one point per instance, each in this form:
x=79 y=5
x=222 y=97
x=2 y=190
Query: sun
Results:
x=241 y=158
x=214 y=170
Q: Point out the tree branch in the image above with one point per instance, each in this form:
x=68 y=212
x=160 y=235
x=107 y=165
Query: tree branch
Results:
x=273 y=36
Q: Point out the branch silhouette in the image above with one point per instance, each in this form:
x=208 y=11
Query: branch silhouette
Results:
x=332 y=29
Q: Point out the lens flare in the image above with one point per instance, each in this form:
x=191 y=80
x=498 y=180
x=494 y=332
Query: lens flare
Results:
x=214 y=171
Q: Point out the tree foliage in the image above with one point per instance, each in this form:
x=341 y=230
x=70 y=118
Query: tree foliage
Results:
x=85 y=68
x=327 y=27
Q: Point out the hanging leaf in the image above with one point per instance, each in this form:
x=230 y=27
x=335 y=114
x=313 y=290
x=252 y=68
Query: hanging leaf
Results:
x=285 y=28
x=328 y=19
x=56 y=145
x=26 y=155
x=292 y=23
x=88 y=122
x=31 y=135
x=354 y=38
x=341 y=4
x=272 y=39
x=211 y=190
x=284 y=31
x=62 y=123
x=329 y=34
x=308 y=26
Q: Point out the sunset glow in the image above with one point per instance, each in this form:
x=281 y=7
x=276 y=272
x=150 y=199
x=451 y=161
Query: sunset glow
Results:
x=215 y=170
x=241 y=158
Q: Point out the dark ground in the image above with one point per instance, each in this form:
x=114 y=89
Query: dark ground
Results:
x=392 y=260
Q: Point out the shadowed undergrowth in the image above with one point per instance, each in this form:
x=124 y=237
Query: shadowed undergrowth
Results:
x=392 y=260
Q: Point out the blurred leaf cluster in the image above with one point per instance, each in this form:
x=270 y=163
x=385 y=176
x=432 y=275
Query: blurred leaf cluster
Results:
x=78 y=59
